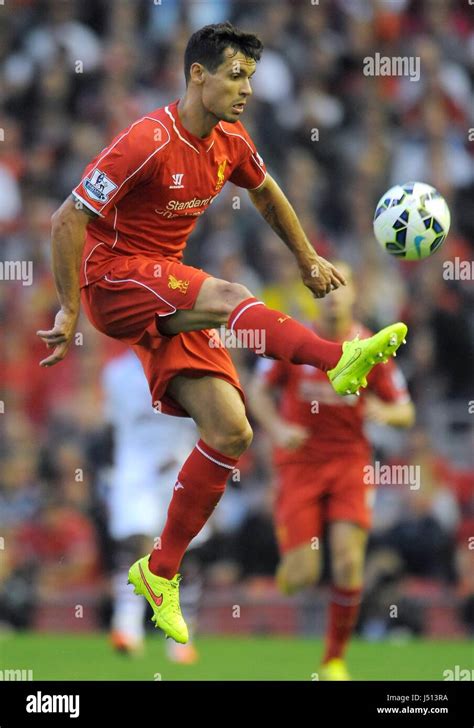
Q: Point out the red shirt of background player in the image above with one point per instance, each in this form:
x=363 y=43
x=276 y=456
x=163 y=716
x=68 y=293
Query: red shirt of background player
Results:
x=336 y=424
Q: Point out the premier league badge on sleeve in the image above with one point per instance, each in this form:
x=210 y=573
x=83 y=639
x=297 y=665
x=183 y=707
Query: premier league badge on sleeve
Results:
x=98 y=186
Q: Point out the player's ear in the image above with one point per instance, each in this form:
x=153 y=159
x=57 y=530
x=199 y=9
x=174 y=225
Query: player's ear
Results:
x=197 y=73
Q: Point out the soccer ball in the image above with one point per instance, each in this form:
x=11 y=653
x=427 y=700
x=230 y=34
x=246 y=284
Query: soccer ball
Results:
x=411 y=221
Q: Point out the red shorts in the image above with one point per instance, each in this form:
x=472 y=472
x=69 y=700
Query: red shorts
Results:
x=127 y=303
x=311 y=494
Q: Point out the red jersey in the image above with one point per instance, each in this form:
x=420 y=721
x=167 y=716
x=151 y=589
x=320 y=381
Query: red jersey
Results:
x=335 y=423
x=154 y=180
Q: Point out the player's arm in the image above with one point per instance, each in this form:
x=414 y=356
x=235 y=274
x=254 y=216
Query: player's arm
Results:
x=395 y=414
x=387 y=400
x=68 y=236
x=128 y=161
x=263 y=407
x=317 y=274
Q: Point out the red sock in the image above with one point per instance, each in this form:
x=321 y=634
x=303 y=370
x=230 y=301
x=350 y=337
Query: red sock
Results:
x=202 y=479
x=343 y=612
x=283 y=337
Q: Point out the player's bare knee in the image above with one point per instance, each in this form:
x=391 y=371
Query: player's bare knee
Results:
x=297 y=571
x=223 y=297
x=348 y=570
x=233 y=294
x=233 y=441
x=292 y=581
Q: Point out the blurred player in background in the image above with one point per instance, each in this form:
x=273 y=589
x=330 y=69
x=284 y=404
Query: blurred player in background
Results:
x=148 y=451
x=320 y=452
x=117 y=245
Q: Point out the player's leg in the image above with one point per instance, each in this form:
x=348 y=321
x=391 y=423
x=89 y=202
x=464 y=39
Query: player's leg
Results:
x=191 y=568
x=183 y=298
x=298 y=527
x=220 y=303
x=218 y=410
x=219 y=413
x=299 y=567
x=347 y=544
x=137 y=504
x=127 y=624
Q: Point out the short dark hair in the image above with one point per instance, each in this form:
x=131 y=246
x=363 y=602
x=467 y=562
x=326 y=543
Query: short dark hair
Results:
x=207 y=46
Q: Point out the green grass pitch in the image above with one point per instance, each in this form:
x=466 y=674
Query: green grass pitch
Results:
x=89 y=657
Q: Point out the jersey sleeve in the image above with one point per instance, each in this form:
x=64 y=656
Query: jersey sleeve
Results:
x=388 y=383
x=250 y=172
x=273 y=372
x=129 y=160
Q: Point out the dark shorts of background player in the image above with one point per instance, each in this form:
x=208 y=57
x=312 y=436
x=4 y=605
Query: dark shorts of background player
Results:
x=127 y=304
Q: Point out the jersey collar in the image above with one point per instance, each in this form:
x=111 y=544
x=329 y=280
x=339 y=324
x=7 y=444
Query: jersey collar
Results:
x=199 y=144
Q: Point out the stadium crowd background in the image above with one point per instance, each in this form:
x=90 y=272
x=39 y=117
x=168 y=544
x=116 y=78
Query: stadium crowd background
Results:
x=71 y=76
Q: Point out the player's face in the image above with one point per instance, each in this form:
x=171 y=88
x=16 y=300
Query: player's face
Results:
x=340 y=303
x=225 y=92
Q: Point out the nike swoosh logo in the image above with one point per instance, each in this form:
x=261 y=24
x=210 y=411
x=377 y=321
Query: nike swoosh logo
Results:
x=356 y=356
x=418 y=240
x=157 y=599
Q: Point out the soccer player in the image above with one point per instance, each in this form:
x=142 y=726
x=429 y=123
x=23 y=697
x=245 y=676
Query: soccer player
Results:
x=117 y=244
x=141 y=481
x=320 y=452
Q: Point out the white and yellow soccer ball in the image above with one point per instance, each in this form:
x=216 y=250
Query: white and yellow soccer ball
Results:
x=411 y=221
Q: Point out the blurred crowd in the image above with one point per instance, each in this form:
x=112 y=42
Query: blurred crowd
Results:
x=73 y=74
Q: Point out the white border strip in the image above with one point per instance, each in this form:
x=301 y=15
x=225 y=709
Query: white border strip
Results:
x=87 y=204
x=249 y=305
x=115 y=227
x=177 y=132
x=85 y=262
x=345 y=601
x=217 y=462
x=139 y=283
x=252 y=150
x=252 y=189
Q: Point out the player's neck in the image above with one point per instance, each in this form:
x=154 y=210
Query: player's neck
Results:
x=195 y=118
x=337 y=328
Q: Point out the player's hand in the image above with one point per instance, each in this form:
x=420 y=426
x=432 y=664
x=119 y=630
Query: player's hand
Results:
x=375 y=409
x=59 y=337
x=289 y=435
x=321 y=277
